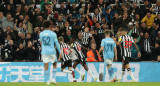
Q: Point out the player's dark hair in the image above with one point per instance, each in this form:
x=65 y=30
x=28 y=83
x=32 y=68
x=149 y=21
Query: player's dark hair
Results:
x=46 y=24
x=107 y=32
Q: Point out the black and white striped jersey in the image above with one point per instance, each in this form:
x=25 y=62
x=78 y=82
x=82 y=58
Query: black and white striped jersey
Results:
x=78 y=49
x=126 y=43
x=98 y=16
x=65 y=48
x=147 y=45
x=134 y=30
x=85 y=38
x=156 y=10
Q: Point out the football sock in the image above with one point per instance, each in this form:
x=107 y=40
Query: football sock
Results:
x=123 y=71
x=66 y=71
x=54 y=73
x=130 y=73
x=73 y=75
x=111 y=73
x=90 y=72
x=78 y=71
x=46 y=75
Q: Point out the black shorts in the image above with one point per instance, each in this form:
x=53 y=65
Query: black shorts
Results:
x=66 y=64
x=126 y=60
x=80 y=61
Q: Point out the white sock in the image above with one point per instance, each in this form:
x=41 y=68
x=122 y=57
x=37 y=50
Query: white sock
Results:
x=90 y=72
x=122 y=74
x=131 y=74
x=78 y=71
x=67 y=71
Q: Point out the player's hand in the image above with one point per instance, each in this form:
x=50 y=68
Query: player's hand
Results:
x=59 y=60
x=139 y=54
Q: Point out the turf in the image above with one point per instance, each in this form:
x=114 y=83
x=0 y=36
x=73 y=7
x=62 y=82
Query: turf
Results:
x=85 y=84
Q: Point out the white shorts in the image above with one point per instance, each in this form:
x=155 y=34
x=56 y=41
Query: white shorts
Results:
x=108 y=61
x=49 y=58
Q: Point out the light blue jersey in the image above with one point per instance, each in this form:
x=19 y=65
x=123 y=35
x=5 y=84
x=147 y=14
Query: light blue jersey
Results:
x=48 y=40
x=109 y=45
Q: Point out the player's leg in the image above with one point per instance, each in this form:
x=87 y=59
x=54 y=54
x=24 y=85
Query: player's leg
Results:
x=110 y=70
x=73 y=74
x=123 y=69
x=46 y=61
x=74 y=68
x=53 y=59
x=89 y=71
x=63 y=66
x=46 y=72
x=129 y=70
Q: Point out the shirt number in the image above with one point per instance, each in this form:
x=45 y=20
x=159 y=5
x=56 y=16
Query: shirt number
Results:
x=128 y=44
x=65 y=50
x=46 y=40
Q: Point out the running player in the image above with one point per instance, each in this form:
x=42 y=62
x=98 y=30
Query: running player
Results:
x=125 y=42
x=108 y=46
x=66 y=60
x=81 y=59
x=48 y=41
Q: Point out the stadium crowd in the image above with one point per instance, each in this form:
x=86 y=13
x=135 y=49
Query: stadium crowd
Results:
x=21 y=23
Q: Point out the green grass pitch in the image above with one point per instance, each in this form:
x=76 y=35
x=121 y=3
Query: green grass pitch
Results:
x=84 y=84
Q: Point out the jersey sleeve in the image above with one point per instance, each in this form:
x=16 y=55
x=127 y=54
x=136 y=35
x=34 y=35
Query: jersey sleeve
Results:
x=102 y=43
x=57 y=43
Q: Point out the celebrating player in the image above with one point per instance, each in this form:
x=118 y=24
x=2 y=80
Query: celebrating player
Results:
x=67 y=62
x=125 y=41
x=81 y=59
x=48 y=39
x=108 y=46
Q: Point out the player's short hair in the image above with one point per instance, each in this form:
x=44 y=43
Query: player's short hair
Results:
x=46 y=24
x=107 y=32
x=61 y=38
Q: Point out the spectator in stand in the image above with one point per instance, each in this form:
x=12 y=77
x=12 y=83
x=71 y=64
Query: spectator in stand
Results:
x=21 y=53
x=9 y=51
x=148 y=19
x=156 y=49
x=67 y=37
x=92 y=55
x=74 y=10
x=31 y=52
x=146 y=48
x=8 y=21
x=97 y=13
